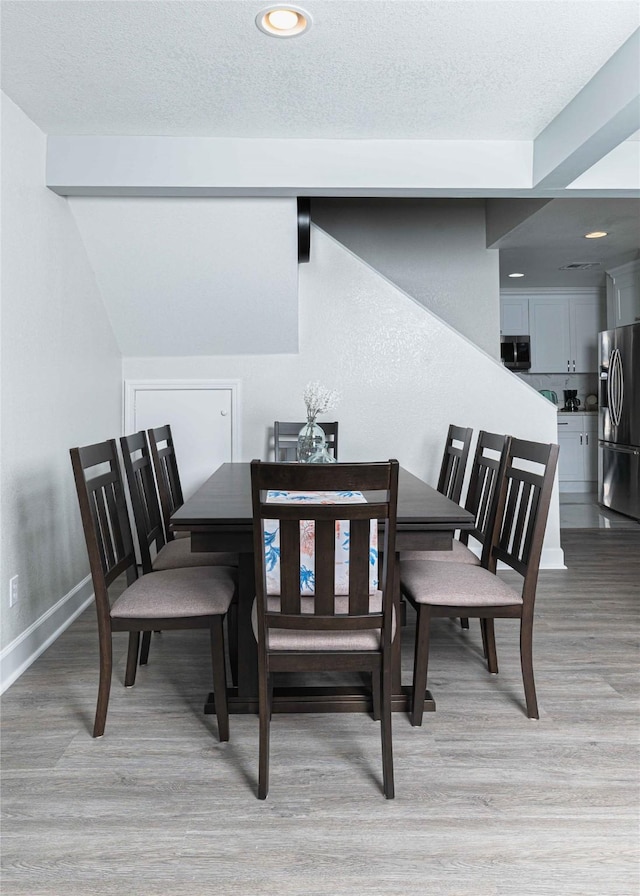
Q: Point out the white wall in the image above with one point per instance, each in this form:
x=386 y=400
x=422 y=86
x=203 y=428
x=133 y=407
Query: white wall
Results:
x=61 y=386
x=392 y=361
x=195 y=276
x=435 y=250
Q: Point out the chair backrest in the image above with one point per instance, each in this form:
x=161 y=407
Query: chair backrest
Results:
x=482 y=495
x=144 y=497
x=105 y=520
x=165 y=465
x=522 y=511
x=325 y=611
x=285 y=439
x=454 y=462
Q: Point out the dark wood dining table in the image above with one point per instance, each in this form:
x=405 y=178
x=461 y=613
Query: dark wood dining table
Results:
x=218 y=517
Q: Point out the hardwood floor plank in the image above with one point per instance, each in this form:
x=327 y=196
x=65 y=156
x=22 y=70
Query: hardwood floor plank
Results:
x=488 y=802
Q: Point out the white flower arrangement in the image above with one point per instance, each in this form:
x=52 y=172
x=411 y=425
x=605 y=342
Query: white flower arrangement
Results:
x=319 y=400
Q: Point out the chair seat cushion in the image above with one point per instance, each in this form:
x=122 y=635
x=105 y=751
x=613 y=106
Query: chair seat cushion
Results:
x=174 y=593
x=459 y=553
x=454 y=584
x=178 y=554
x=291 y=639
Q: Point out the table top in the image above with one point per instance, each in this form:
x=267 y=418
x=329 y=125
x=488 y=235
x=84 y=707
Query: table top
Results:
x=225 y=499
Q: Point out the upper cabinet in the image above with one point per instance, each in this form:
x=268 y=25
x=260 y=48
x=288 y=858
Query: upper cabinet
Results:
x=514 y=316
x=623 y=295
x=563 y=325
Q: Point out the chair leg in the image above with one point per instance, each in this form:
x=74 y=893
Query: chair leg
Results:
x=489 y=644
x=265 y=723
x=104 y=687
x=464 y=622
x=376 y=694
x=132 y=659
x=232 y=641
x=144 y=650
x=219 y=678
x=526 y=662
x=420 y=662
x=385 y=728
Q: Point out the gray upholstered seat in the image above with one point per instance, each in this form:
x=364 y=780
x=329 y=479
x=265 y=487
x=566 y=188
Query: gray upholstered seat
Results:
x=286 y=639
x=460 y=584
x=177 y=554
x=459 y=553
x=176 y=593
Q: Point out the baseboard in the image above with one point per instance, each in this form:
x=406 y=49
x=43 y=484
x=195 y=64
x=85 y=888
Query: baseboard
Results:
x=27 y=647
x=552 y=558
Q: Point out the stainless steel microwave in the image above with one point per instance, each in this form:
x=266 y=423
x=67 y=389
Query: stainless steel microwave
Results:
x=515 y=352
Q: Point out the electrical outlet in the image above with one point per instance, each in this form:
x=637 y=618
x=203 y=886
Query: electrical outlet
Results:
x=13 y=591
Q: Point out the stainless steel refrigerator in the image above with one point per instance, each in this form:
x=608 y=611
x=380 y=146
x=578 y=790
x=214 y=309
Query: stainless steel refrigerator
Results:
x=619 y=420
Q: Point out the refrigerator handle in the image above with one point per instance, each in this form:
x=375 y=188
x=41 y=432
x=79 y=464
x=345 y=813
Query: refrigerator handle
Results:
x=615 y=387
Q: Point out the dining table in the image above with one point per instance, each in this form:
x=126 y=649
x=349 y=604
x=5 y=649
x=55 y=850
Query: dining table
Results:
x=218 y=517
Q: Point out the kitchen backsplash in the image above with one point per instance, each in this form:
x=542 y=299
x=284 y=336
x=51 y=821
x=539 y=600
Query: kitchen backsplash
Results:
x=585 y=383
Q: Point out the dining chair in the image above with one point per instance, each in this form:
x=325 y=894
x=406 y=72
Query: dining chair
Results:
x=195 y=598
x=285 y=439
x=306 y=625
x=454 y=462
x=147 y=516
x=488 y=459
x=461 y=589
x=165 y=465
x=176 y=554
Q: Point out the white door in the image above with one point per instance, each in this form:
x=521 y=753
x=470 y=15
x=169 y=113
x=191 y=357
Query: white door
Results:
x=201 y=420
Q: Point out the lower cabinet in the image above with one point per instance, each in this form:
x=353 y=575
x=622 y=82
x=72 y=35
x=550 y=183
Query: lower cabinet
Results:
x=578 y=461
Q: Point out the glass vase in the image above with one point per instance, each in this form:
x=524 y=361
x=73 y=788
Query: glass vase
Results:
x=312 y=445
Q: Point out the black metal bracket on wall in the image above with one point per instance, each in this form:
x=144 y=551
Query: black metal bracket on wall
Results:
x=304 y=229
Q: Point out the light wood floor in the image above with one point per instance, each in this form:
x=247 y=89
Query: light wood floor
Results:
x=488 y=803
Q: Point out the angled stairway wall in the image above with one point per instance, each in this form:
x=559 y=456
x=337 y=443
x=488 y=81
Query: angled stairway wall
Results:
x=404 y=374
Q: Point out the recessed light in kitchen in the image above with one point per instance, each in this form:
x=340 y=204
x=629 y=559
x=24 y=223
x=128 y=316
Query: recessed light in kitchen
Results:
x=595 y=235
x=283 y=21
x=516 y=275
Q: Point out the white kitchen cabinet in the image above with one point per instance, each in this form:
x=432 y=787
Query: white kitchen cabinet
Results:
x=623 y=295
x=578 y=460
x=514 y=315
x=564 y=331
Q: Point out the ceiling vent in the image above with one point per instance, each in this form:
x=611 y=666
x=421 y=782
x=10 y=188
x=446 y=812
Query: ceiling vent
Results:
x=581 y=266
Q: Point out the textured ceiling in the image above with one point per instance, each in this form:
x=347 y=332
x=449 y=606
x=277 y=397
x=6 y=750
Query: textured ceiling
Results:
x=433 y=69
x=366 y=69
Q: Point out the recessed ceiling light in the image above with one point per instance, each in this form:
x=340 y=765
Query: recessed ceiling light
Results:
x=516 y=275
x=595 y=234
x=283 y=21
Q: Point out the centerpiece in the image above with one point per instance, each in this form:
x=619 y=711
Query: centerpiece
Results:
x=312 y=440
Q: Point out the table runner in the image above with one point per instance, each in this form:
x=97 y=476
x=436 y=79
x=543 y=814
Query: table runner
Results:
x=307 y=542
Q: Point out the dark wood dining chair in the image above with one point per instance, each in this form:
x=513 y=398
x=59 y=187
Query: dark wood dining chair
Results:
x=454 y=462
x=165 y=465
x=174 y=554
x=466 y=590
x=155 y=552
x=299 y=631
x=481 y=497
x=488 y=459
x=171 y=599
x=285 y=439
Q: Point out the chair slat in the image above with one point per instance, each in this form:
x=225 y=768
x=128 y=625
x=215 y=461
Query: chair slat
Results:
x=359 y=547
x=290 y=566
x=325 y=568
